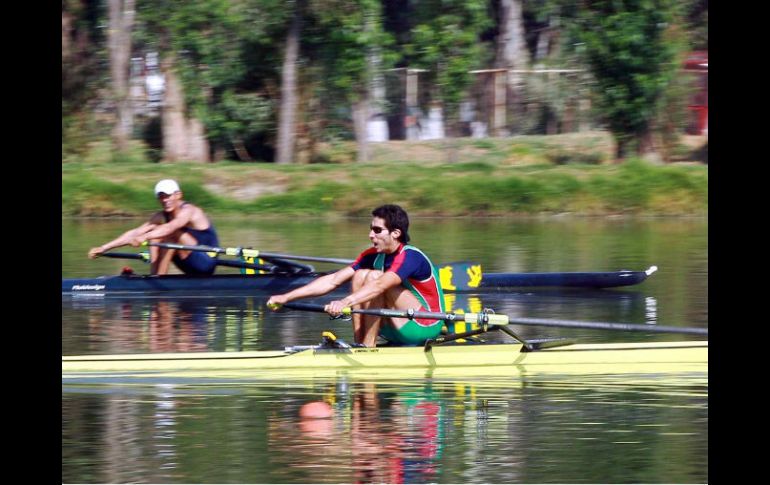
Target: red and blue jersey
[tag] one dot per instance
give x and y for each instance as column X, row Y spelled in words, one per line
column 416, row 271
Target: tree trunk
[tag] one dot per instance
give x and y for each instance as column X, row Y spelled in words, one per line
column 360, row 118
column 288, row 110
column 173, row 121
column 240, row 150
column 621, row 147
column 197, row 144
column 368, row 112
column 121, row 16
column 512, row 51
column 183, row 138
column 66, row 28
column 648, row 148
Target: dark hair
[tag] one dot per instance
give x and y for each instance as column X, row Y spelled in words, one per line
column 395, row 218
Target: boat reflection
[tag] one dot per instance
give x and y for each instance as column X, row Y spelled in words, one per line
column 130, row 323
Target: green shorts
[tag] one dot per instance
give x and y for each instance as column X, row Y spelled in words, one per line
column 412, row 333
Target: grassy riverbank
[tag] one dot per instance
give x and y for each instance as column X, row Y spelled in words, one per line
column 520, row 175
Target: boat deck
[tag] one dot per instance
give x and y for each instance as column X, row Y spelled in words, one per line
column 483, row 359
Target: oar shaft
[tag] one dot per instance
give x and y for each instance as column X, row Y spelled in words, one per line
column 142, row 256
column 633, row 327
column 244, row 265
column 480, row 318
column 304, row 258
column 495, row 319
column 220, row 262
column 186, row 247
column 248, row 253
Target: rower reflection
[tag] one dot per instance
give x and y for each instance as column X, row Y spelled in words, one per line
column 168, row 324
column 381, row 435
column 182, row 328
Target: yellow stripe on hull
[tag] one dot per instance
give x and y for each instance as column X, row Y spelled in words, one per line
column 488, row 359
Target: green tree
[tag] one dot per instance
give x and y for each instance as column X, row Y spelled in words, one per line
column 352, row 52
column 445, row 40
column 697, row 23
column 82, row 74
column 633, row 60
column 205, row 50
column 555, row 101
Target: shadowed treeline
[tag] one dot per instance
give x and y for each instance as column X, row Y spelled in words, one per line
column 279, row 81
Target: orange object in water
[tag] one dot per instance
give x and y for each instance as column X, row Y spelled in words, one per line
column 316, row 410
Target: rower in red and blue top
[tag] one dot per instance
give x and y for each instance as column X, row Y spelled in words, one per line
column 390, row 274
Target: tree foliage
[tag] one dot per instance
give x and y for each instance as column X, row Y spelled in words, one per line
column 81, row 38
column 228, row 54
column 83, row 58
column 213, row 44
column 632, row 61
column 696, row 23
column 445, row 40
column 347, row 32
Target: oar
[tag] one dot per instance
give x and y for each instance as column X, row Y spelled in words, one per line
column 143, row 256
column 276, row 258
column 244, row 265
column 291, row 265
column 248, row 253
column 487, row 318
column 458, row 276
column 219, row 262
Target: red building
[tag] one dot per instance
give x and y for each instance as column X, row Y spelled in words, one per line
column 697, row 62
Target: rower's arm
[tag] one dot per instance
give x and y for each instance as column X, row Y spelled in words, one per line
column 124, row 239
column 372, row 289
column 319, row 286
column 182, row 218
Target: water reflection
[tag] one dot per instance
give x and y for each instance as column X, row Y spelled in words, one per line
column 484, row 431
column 410, row 431
column 119, row 324
column 679, row 247
column 177, row 328
column 166, row 324
column 390, row 437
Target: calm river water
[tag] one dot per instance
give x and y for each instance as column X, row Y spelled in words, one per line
column 429, row 430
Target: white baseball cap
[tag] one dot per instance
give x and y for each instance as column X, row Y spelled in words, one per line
column 166, row 186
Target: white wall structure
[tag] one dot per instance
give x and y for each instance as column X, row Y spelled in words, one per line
column 433, row 124
column 377, row 130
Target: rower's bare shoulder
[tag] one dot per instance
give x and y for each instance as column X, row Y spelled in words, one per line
column 157, row 218
column 196, row 217
column 188, row 211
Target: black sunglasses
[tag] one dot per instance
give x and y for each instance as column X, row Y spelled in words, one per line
column 377, row 229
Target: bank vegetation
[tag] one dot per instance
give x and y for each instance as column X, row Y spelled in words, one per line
column 527, row 175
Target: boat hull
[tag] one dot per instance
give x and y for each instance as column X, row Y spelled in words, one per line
column 279, row 283
column 689, row 357
column 185, row 284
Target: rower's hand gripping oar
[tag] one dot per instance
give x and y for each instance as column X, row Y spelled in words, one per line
column 485, row 321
